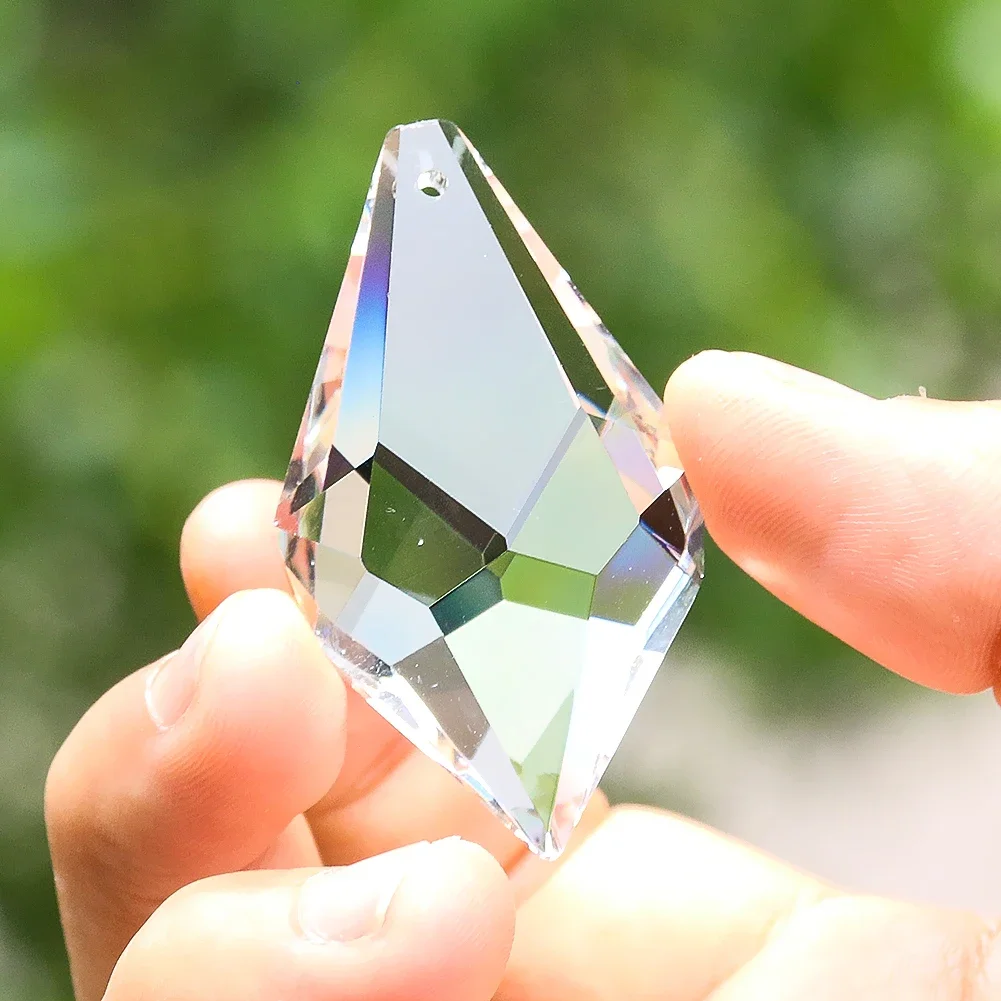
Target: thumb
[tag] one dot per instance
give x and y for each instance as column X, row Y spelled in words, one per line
column 421, row 922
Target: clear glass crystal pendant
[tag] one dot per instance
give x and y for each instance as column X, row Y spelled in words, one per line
column 493, row 540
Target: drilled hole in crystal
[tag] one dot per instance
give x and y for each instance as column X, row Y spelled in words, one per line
column 432, row 183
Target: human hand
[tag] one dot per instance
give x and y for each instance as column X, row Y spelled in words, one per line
column 874, row 518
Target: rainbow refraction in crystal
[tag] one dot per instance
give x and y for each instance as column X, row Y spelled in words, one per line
column 487, row 528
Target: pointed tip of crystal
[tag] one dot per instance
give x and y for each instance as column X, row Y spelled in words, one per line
column 422, row 123
column 546, row 849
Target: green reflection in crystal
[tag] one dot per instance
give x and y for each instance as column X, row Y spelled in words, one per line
column 540, row 771
column 469, row 599
column 512, row 649
column 549, row 586
column 409, row 546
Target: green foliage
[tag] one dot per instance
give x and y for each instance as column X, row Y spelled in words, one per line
column 179, row 184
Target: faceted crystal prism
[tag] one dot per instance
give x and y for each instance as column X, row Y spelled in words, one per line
column 492, row 539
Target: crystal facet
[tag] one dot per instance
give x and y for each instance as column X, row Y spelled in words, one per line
column 490, row 536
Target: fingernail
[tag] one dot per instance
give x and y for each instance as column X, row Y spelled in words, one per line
column 350, row 902
column 171, row 685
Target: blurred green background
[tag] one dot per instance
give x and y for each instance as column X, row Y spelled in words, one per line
column 179, row 182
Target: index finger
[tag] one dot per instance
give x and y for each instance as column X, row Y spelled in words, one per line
column 877, row 519
column 229, row 544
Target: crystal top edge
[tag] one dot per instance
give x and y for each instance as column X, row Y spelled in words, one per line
column 422, row 123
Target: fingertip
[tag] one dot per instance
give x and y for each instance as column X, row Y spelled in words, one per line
column 679, row 416
column 264, row 661
column 460, row 873
column 712, row 371
column 452, row 918
column 689, row 384
column 229, row 544
column 746, row 427
column 719, row 396
column 264, row 626
column 261, row 616
column 694, row 372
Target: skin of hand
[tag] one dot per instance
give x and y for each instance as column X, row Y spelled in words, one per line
column 231, row 824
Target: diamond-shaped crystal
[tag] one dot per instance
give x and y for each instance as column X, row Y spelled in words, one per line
column 492, row 540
